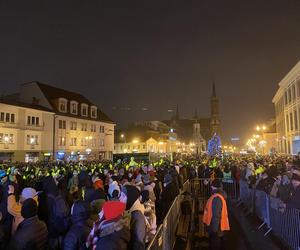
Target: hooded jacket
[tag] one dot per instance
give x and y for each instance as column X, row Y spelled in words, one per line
column 81, row 227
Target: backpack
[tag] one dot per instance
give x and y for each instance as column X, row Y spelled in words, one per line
column 59, row 219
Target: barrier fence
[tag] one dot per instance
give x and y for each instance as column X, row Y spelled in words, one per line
column 284, row 223
column 165, row 236
column 201, row 187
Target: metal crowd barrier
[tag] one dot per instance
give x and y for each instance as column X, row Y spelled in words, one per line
column 284, row 223
column 201, row 187
column 165, row 236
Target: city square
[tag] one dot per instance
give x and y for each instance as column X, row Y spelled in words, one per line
column 149, row 125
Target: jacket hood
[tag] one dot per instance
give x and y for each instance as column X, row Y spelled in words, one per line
column 80, row 211
column 49, row 186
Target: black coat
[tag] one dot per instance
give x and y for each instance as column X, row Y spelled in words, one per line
column 31, row 234
column 77, row 235
column 168, row 196
column 295, row 199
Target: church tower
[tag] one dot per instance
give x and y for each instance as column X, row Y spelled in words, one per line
column 215, row 122
column 197, row 137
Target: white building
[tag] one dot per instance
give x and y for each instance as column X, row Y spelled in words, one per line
column 287, row 109
column 79, row 129
column 25, row 132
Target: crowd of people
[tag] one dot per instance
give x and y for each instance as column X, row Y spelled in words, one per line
column 87, row 205
column 101, row 205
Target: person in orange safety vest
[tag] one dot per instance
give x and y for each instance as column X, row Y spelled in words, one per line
column 215, row 216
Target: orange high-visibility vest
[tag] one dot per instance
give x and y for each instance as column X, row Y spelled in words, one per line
column 208, row 213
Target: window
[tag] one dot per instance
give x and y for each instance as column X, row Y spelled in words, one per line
column 102, row 142
column 294, row 92
column 61, row 141
column 2, row 116
column 128, row 147
column 6, row 138
column 32, row 140
column 94, row 112
column 290, row 95
column 93, row 128
column 74, row 107
column 102, row 129
column 84, row 142
column 73, row 141
column 94, row 142
column 83, row 127
column 62, row 124
column 33, row 120
column 296, row 119
column 291, row 121
column 63, row 105
column 73, row 126
column 144, row 146
column 84, row 109
column 7, row 116
column 285, row 98
column 287, row 123
column 12, row 118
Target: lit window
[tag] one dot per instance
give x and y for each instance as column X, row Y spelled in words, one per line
column 73, row 126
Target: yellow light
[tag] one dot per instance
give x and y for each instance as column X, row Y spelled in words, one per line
column 122, row 135
column 258, row 128
column 90, row 137
column 264, row 127
column 135, row 141
column 160, row 143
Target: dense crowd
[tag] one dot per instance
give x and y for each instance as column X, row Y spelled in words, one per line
column 87, row 205
column 278, row 176
column 100, row 205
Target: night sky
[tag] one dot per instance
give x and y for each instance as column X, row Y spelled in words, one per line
column 137, row 60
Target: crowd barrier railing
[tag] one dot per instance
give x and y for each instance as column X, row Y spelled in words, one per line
column 165, row 236
column 284, row 223
column 201, row 187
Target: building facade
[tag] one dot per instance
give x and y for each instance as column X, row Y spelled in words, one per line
column 79, row 130
column 25, row 132
column 287, row 111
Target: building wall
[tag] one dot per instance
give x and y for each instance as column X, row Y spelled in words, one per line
column 19, row 129
column 93, row 144
column 287, row 109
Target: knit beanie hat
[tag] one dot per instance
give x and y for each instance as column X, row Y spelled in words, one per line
column 98, row 184
column 113, row 209
column 29, row 208
column 132, row 194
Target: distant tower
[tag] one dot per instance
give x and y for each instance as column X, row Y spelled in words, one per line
column 197, row 137
column 215, row 122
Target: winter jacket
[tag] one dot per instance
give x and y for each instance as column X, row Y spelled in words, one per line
column 14, row 208
column 168, row 196
column 81, row 226
column 295, row 199
column 52, row 220
column 114, row 235
column 214, row 226
column 31, row 234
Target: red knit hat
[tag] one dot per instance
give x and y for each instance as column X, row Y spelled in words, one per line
column 113, row 209
column 98, row 184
